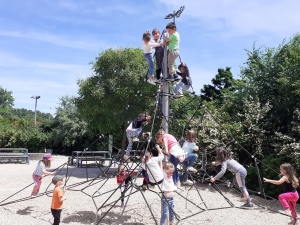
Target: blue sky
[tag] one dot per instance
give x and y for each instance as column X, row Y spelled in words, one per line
column 47, row 45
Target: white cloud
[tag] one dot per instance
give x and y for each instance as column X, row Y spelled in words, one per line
column 84, row 43
column 242, row 18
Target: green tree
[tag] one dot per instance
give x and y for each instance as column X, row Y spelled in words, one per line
column 6, row 98
column 117, row 93
column 222, row 81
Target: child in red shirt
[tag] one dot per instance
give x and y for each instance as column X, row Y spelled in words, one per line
column 123, row 179
column 57, row 199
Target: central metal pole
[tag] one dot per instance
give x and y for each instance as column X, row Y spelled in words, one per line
column 165, row 93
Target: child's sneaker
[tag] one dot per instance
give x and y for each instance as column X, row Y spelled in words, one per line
column 293, row 222
column 285, row 212
column 176, row 77
column 135, row 140
column 179, row 95
column 151, row 186
column 188, row 182
column 248, row 206
column 170, row 78
column 122, row 205
column 126, row 158
column 191, row 169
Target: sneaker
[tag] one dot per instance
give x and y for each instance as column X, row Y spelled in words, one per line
column 126, row 158
column 285, row 212
column 150, row 81
column 179, row 95
column 188, row 182
column 122, row 205
column 191, row 169
column 144, row 187
column 151, row 186
column 135, row 140
column 293, row 222
column 176, row 77
column 170, row 78
column 178, row 184
column 248, row 206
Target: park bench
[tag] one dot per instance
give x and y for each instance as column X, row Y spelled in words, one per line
column 91, row 156
column 14, row 154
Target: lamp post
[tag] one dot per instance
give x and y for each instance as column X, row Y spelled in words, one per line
column 36, row 98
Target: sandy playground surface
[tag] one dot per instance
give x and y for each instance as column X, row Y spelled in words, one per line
column 80, row 206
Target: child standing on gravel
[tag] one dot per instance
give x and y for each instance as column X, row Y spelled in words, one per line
column 224, row 158
column 290, row 196
column 39, row 171
column 58, row 198
column 168, row 188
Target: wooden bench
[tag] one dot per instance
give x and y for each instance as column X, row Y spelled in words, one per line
column 96, row 156
column 8, row 154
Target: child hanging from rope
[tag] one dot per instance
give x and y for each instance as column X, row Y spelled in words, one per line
column 123, row 179
column 171, row 149
column 159, row 53
column 134, row 130
column 289, row 198
column 148, row 45
column 151, row 165
column 224, row 158
column 189, row 146
column 39, row 171
column 173, row 40
column 168, row 188
column 185, row 83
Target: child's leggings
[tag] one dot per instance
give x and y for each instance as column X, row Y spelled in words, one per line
column 37, row 184
column 130, row 135
column 124, row 187
column 288, row 201
column 240, row 180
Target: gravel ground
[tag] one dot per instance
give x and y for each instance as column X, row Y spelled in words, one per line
column 80, row 207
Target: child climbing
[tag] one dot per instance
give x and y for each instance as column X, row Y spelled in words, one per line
column 148, row 45
column 289, row 197
column 173, row 40
column 123, row 179
column 134, row 130
column 159, row 53
column 171, row 149
column 152, row 167
column 189, row 146
column 168, row 188
column 57, row 198
column 185, row 83
column 39, row 171
column 224, row 158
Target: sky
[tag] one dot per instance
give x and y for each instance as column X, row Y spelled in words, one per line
column 47, row 45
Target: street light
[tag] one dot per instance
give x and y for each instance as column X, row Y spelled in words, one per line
column 175, row 14
column 36, row 98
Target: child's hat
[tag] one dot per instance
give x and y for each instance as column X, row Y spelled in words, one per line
column 57, row 178
column 48, row 157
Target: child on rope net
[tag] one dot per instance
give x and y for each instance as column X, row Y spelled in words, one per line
column 159, row 53
column 224, row 158
column 134, row 130
column 173, row 39
column 173, row 150
column 152, row 171
column 148, row 45
column 290, row 196
column 189, row 146
column 57, row 198
column 123, row 179
column 39, row 171
column 185, row 83
column 168, row 188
